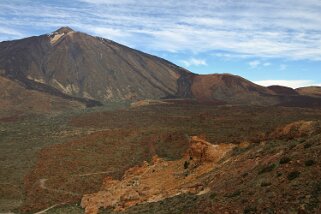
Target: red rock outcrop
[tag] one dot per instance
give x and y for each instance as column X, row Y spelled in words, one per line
column 158, row 180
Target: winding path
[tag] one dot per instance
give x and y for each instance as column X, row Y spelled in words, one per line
column 42, row 184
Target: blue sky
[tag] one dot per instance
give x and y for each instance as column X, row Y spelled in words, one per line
column 266, row 41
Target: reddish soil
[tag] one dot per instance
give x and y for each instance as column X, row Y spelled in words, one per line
column 76, row 168
column 229, row 88
column 65, row 172
column 11, row 119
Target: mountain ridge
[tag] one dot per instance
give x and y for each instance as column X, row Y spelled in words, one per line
column 94, row 70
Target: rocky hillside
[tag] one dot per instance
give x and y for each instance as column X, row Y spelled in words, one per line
column 159, row 180
column 273, row 176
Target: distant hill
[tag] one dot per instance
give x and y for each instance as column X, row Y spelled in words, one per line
column 282, row 90
column 310, row 91
column 231, row 89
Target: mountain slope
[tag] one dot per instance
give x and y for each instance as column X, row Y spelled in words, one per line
column 80, row 65
column 15, row 98
column 92, row 70
column 89, row 67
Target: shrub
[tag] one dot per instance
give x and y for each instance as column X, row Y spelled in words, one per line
column 293, row 175
column 245, row 174
column 234, row 194
column 239, row 150
column 307, row 145
column 265, row 184
column 268, row 168
column 285, row 160
column 213, row 195
column 186, row 164
column 309, row 162
column 250, row 210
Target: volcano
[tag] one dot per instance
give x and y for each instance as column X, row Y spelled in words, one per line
column 93, row 71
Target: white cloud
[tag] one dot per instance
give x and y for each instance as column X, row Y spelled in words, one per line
column 254, row 64
column 288, row 28
column 10, row 31
column 105, row 1
column 194, row 62
column 288, row 83
column 257, row 63
column 230, row 56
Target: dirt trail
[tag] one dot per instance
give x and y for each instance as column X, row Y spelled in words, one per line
column 42, row 184
column 94, row 173
column 47, row 209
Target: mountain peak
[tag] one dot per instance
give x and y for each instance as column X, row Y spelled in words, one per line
column 64, row 29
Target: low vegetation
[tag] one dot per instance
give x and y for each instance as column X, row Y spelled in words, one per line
column 293, row 175
column 74, row 151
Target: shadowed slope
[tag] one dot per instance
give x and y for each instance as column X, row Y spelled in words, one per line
column 16, row 98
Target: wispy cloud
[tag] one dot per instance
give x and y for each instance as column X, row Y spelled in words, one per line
column 254, row 64
column 288, row 29
column 7, row 32
column 257, row 63
column 194, row 62
column 288, row 83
